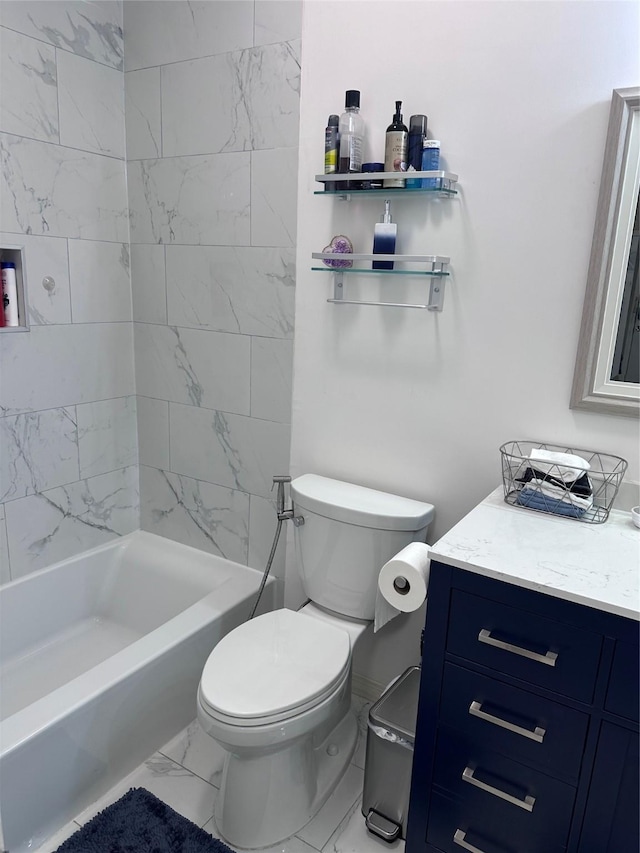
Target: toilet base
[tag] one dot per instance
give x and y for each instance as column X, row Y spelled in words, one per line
column 268, row 798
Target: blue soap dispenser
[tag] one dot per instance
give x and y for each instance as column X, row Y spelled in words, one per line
column 384, row 239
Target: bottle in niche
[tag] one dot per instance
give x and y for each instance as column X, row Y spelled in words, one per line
column 417, row 135
column 395, row 149
column 10, row 294
column 331, row 142
column 351, row 130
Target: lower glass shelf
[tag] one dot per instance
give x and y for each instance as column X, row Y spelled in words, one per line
column 367, row 270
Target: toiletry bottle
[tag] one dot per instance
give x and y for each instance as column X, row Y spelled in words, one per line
column 331, row 138
column 351, row 130
column 417, row 135
column 431, row 163
column 395, row 149
column 10, row 293
column 384, row 239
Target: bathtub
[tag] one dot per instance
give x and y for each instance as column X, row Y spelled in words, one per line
column 101, row 656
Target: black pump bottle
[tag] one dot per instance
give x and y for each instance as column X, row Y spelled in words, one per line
column 395, row 148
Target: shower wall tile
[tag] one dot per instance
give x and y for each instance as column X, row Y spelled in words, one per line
column 91, row 101
column 107, row 436
column 210, row 369
column 61, row 192
column 29, row 91
column 56, row 366
column 39, row 452
column 100, row 281
column 44, row 257
column 148, row 283
column 143, row 114
column 61, row 522
column 274, row 180
column 171, row 31
column 92, row 30
column 153, row 431
column 254, row 102
column 5, row 568
column 199, row 514
column 247, row 290
column 238, row 452
column 203, row 199
column 262, row 529
column 271, row 379
column 277, row 20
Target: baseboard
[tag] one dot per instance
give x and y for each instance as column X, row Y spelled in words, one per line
column 366, row 687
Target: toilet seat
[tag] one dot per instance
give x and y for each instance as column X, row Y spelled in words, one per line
column 274, row 667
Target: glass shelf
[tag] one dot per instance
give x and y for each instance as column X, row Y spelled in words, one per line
column 446, row 187
column 377, row 272
column 437, row 274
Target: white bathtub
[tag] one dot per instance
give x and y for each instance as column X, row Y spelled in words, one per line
column 100, row 661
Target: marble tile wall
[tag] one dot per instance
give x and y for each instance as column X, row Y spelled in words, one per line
column 212, row 99
column 68, row 444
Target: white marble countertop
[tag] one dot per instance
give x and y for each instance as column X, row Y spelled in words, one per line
column 593, row 564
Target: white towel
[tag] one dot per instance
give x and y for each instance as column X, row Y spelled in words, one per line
column 564, row 466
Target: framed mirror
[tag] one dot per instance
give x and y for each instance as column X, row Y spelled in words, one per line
column 606, row 377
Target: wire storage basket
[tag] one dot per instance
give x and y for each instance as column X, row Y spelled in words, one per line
column 551, row 478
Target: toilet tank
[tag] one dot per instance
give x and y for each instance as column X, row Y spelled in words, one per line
column 349, row 533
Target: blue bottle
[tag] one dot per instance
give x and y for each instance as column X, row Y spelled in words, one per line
column 431, row 163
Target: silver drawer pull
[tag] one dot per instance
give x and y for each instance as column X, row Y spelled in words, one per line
column 475, row 709
column 459, row 838
column 527, row 804
column 549, row 658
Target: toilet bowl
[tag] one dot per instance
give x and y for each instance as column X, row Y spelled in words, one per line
column 275, row 692
column 276, row 695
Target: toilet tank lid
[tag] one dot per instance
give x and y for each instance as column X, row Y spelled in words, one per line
column 359, row 505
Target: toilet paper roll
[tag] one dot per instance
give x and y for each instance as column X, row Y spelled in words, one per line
column 402, row 583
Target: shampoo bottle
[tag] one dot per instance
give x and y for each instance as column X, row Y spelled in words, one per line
column 384, row 239
column 395, row 148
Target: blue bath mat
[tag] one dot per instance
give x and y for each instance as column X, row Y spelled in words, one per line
column 141, row 823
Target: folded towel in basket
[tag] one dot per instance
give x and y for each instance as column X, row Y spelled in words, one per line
column 533, row 499
column 558, row 488
column 565, row 466
column 560, row 494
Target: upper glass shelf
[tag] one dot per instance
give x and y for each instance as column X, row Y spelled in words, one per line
column 444, row 184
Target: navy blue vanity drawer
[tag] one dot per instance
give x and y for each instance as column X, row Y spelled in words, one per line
column 525, row 645
column 452, row 828
column 498, row 791
column 521, row 725
column 623, row 694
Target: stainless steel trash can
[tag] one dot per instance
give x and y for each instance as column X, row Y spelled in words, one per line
column 387, row 774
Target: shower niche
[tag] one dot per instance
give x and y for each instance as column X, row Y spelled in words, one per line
column 10, row 254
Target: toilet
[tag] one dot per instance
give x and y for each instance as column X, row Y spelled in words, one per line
column 275, row 692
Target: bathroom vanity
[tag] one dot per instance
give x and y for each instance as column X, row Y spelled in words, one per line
column 527, row 731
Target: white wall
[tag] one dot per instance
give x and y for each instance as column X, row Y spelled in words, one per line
column 417, row 403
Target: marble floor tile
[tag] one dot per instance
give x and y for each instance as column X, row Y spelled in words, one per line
column 185, row 773
column 184, row 792
column 352, row 836
column 289, row 845
column 194, row 749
